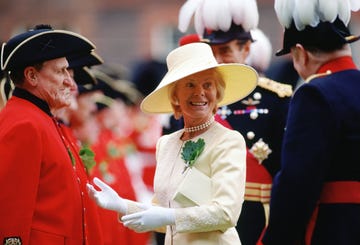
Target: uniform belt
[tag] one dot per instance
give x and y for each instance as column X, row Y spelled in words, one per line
column 341, row 192
column 334, row 192
column 257, row 192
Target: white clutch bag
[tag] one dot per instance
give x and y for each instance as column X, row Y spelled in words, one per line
column 195, row 189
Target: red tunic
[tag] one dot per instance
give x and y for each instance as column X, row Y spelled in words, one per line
column 40, row 197
column 91, row 223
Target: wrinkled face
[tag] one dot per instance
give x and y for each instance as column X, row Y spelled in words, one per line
column 74, row 92
column 235, row 51
column 196, row 96
column 54, row 83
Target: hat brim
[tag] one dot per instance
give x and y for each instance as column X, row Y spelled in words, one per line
column 282, row 51
column 88, row 59
column 236, row 32
column 240, row 80
column 82, row 75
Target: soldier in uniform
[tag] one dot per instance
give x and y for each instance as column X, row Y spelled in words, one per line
column 316, row 194
column 260, row 117
column 42, row 198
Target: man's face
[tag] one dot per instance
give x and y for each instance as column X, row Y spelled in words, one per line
column 235, row 51
column 54, row 83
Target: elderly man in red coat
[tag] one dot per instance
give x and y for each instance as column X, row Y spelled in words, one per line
column 42, row 199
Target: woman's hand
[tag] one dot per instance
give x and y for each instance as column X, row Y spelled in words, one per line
column 107, row 198
column 151, row 218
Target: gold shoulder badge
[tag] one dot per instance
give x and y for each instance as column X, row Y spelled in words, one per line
column 12, row 241
column 281, row 89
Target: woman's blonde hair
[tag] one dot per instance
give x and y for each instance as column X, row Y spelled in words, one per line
column 220, row 88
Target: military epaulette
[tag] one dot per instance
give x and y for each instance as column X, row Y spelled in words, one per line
column 281, row 89
column 328, row 72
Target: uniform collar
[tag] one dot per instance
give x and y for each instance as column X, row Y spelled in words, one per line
column 21, row 93
column 339, row 64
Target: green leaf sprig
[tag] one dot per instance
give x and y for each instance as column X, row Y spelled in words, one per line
column 191, row 151
column 88, row 157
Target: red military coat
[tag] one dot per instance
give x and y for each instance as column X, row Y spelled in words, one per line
column 93, row 230
column 40, row 201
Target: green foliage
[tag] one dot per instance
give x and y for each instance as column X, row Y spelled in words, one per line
column 88, row 157
column 191, row 151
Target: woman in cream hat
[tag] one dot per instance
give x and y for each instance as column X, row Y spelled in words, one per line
column 200, row 176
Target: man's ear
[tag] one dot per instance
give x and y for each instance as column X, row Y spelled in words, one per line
column 246, row 49
column 300, row 54
column 30, row 74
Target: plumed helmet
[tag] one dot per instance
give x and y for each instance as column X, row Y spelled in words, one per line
column 220, row 21
column 320, row 24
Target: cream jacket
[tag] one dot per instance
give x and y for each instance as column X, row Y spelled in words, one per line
column 223, row 160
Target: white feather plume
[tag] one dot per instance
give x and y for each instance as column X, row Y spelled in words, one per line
column 355, row 5
column 328, row 10
column 218, row 14
column 311, row 12
column 186, row 13
column 284, row 11
column 237, row 10
column 210, row 13
column 344, row 11
column 305, row 13
column 260, row 51
column 199, row 21
column 224, row 18
column 251, row 15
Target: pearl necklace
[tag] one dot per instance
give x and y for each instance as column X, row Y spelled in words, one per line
column 200, row 127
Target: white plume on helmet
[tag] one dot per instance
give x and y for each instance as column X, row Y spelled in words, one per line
column 218, row 14
column 311, row 12
column 260, row 51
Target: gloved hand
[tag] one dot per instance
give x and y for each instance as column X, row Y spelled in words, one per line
column 107, row 198
column 151, row 218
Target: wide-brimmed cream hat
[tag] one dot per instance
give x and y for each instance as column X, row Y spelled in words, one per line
column 240, row 80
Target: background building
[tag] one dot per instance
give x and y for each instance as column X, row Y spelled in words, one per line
column 124, row 31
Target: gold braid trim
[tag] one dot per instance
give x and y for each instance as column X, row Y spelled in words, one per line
column 328, row 72
column 281, row 89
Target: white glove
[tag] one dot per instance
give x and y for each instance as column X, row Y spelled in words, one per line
column 151, row 218
column 107, row 198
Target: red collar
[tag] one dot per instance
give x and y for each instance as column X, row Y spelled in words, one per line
column 339, row 64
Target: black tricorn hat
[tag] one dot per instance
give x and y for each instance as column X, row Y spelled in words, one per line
column 87, row 59
column 41, row 44
column 326, row 36
column 116, row 88
column 236, row 32
column 81, row 66
column 83, row 75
